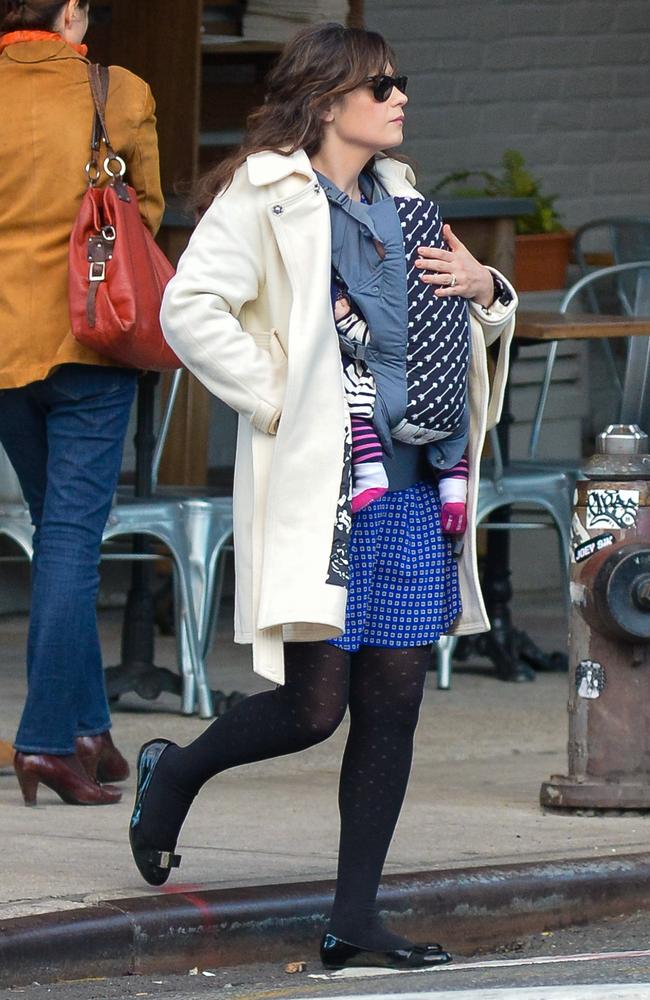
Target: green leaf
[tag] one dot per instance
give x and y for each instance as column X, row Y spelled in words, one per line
column 514, row 181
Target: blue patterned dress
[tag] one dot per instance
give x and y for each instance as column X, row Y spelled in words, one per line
column 403, row 588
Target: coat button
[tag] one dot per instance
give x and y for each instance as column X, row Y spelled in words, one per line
column 278, row 210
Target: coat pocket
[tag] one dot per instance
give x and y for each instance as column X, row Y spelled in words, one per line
column 265, row 419
column 269, row 340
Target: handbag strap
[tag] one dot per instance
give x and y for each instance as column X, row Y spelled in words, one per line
column 99, row 79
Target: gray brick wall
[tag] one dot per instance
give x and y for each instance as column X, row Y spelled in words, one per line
column 567, row 82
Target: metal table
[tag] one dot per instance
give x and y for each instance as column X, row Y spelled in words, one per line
column 538, row 326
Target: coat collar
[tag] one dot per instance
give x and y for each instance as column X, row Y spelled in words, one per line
column 268, row 167
column 392, row 172
column 45, row 51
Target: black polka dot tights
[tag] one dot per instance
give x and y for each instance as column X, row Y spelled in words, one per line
column 383, row 690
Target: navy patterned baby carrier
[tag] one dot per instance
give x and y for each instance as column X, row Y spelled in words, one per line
column 421, row 377
column 437, row 358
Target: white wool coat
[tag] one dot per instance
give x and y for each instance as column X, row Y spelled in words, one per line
column 249, row 313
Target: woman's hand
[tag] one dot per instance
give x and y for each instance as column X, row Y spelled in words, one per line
column 455, row 271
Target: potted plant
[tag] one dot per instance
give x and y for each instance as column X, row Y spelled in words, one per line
column 542, row 245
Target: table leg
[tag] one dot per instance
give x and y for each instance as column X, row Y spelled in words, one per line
column 513, row 653
column 501, row 642
column 637, row 377
column 137, row 671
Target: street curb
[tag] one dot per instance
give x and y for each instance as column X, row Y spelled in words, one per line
column 468, row 909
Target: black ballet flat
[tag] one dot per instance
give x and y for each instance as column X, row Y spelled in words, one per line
column 337, row 954
column 153, row 865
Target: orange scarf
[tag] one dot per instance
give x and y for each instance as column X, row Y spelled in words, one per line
column 11, row 37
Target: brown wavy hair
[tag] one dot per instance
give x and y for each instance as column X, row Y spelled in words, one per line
column 317, row 66
column 32, row 15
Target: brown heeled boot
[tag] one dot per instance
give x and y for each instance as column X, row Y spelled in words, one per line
column 65, row 775
column 101, row 758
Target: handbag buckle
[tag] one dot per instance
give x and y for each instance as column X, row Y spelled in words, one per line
column 109, row 234
column 94, row 172
column 97, row 270
column 114, row 160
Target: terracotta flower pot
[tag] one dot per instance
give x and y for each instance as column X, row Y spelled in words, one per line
column 541, row 261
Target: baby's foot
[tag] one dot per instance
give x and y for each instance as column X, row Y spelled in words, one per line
column 369, row 479
column 453, row 518
column 361, row 500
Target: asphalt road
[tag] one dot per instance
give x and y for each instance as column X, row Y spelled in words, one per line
column 605, row 961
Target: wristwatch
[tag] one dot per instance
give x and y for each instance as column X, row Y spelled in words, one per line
column 501, row 293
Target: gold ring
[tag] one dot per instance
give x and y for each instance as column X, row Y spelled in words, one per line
column 453, row 281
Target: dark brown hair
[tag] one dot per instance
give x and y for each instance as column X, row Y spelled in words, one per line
column 32, row 15
column 317, row 66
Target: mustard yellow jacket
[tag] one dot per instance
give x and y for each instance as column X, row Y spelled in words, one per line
column 46, row 115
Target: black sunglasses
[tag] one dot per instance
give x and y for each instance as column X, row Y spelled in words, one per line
column 382, row 86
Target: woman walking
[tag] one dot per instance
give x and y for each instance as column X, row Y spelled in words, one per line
column 341, row 611
column 63, row 409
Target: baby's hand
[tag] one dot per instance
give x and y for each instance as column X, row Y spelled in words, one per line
column 453, row 518
column 341, row 308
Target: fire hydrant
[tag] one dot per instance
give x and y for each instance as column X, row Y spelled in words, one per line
column 609, row 631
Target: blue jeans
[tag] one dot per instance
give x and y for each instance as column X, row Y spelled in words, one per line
column 64, row 436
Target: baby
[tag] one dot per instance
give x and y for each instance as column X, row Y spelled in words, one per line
column 369, row 479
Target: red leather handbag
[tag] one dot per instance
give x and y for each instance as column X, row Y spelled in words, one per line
column 117, row 273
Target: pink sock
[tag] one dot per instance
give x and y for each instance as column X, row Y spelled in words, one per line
column 361, row 500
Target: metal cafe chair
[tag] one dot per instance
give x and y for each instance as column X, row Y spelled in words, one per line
column 208, row 526
column 620, row 239
column 14, row 515
column 550, row 485
column 632, row 282
column 162, row 518
column 164, row 521
column 501, row 485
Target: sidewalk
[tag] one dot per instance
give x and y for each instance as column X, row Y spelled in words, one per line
column 482, row 750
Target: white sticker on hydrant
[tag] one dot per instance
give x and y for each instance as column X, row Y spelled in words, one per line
column 590, row 679
column 612, row 508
